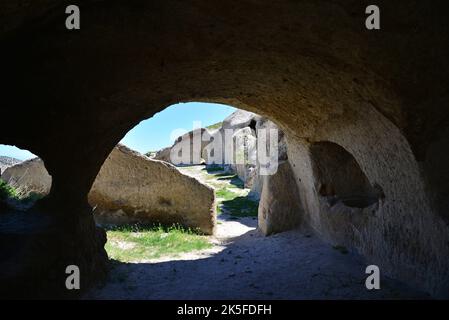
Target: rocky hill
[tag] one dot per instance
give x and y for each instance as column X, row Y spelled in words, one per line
column 6, row 162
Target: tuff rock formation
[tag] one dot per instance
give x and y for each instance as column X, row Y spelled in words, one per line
column 163, row 155
column 28, row 177
column 130, row 188
column 311, row 67
column 279, row 209
column 244, row 127
column 186, row 142
column 6, row 162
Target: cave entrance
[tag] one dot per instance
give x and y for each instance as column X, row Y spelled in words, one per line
column 183, row 212
column 170, row 189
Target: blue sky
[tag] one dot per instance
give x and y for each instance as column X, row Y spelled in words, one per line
column 155, row 133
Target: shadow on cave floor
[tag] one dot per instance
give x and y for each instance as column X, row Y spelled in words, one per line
column 246, row 265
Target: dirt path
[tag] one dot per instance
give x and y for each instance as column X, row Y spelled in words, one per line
column 243, row 264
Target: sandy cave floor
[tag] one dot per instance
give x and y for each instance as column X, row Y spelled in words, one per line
column 244, row 264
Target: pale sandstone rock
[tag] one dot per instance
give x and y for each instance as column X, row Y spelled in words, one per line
column 6, row 162
column 163, row 154
column 131, row 188
column 185, row 142
column 245, row 154
column 279, row 208
column 28, row 176
column 384, row 99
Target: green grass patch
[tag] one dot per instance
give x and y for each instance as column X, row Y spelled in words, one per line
column 226, row 194
column 135, row 243
column 232, row 179
column 13, row 198
column 241, row 207
column 215, row 126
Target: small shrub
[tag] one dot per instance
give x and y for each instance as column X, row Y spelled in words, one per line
column 6, row 191
column 226, row 194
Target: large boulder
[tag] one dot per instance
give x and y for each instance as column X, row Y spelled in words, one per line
column 244, row 144
column 246, row 127
column 174, row 154
column 245, row 153
column 131, row 188
column 240, row 119
column 279, row 208
column 28, row 177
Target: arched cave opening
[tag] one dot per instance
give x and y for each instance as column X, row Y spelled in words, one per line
column 150, row 205
column 170, row 186
column 340, row 178
column 320, row 79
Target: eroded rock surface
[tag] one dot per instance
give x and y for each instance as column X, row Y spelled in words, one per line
column 28, row 177
column 241, row 156
column 279, row 208
column 6, row 162
column 131, row 188
column 382, row 96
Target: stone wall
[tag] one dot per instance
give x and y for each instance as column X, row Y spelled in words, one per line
column 185, row 143
column 396, row 231
column 28, row 177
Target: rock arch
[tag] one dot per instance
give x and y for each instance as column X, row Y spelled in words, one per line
column 311, row 67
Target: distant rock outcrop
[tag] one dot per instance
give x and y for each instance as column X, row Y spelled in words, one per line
column 186, row 143
column 163, row 154
column 241, row 119
column 246, row 128
column 28, row 177
column 6, row 162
